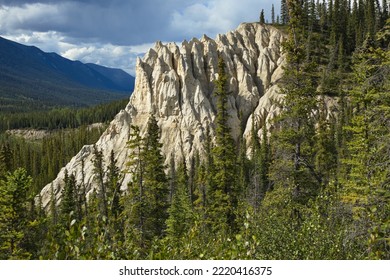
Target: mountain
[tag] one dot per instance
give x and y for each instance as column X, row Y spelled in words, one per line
column 176, row 84
column 29, row 76
column 120, row 78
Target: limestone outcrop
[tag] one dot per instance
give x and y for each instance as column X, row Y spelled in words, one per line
column 176, row 84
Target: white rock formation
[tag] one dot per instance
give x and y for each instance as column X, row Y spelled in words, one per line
column 176, row 84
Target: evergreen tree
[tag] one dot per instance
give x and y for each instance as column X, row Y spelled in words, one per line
column 293, row 165
column 14, row 214
column 68, row 201
column 262, row 19
column 53, row 207
column 135, row 201
column 180, row 212
column 284, row 16
column 146, row 205
column 371, row 18
column 114, row 186
column 273, row 14
column 155, row 179
column 264, row 162
column 325, row 146
column 225, row 191
column 365, row 183
column 385, row 12
column 98, row 164
column 5, row 159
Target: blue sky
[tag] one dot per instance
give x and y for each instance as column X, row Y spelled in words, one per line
column 114, row 32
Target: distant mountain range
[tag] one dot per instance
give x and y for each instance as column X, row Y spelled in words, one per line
column 31, row 79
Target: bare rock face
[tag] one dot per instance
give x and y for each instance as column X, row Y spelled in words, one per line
column 176, row 84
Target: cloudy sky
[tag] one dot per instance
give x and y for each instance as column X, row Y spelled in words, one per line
column 114, row 32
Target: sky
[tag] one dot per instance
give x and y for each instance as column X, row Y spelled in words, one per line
column 114, row 33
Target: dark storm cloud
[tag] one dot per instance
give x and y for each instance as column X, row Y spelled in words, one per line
column 118, row 22
column 112, row 32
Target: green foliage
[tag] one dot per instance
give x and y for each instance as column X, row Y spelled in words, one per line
column 44, row 158
column 68, row 202
column 366, row 182
column 146, row 204
column 293, row 142
column 61, row 118
column 262, row 19
column 224, row 190
column 14, row 222
column 180, row 211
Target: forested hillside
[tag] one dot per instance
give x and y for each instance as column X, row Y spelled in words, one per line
column 65, row 131
column 31, row 80
column 315, row 186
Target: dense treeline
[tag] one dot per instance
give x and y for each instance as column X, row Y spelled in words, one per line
column 43, row 159
column 316, row 185
column 67, row 130
column 62, row 117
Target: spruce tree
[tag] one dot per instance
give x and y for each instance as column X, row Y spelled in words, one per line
column 146, row 204
column 14, row 214
column 284, row 16
column 155, row 179
column 365, row 181
column 98, row 170
column 262, row 19
column 5, row 159
column 68, row 200
column 293, row 165
column 224, row 192
column 134, row 203
column 180, row 211
column 114, row 185
column 273, row 14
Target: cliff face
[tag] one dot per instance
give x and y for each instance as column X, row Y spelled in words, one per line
column 176, row 84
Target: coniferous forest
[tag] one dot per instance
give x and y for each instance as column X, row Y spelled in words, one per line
column 315, row 186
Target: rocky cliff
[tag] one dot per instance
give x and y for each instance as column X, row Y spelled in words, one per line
column 176, row 84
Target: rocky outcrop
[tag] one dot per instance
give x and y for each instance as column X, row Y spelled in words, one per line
column 176, row 84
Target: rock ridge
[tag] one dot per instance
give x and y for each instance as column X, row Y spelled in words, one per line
column 176, row 84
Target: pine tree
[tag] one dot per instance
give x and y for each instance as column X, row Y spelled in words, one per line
column 146, row 203
column 53, row 207
column 264, row 162
column 98, row 170
column 284, row 16
column 262, row 19
column 294, row 152
column 135, row 201
column 224, row 191
column 114, row 186
column 155, row 179
column 5, row 159
column 325, row 146
column 254, row 194
column 273, row 14
column 14, row 214
column 385, row 12
column 371, row 19
column 180, row 211
column 260, row 167
column 68, row 201
column 365, row 183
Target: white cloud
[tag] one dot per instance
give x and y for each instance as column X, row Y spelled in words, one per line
column 217, row 16
column 37, row 16
column 123, row 57
column 114, row 32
